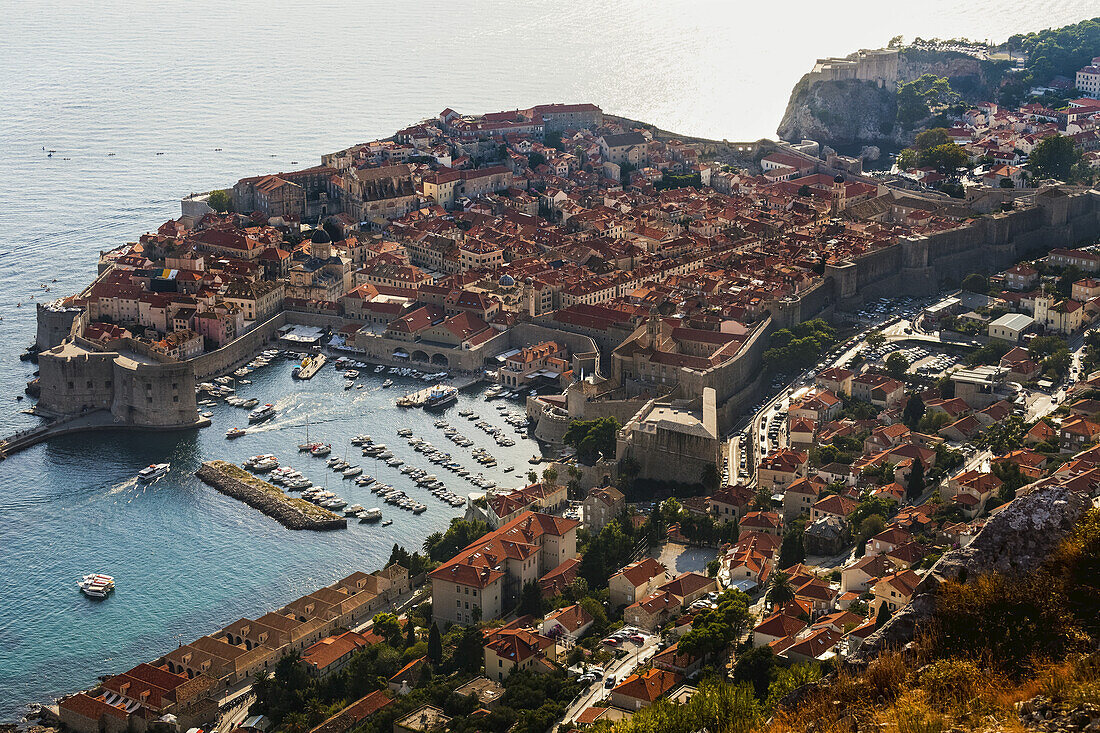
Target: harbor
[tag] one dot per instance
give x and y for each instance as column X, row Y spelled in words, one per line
column 291, row 512
column 143, row 533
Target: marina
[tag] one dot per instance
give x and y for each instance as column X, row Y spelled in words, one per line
column 144, row 532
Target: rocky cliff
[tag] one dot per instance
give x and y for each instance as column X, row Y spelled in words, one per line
column 840, row 113
column 845, row 113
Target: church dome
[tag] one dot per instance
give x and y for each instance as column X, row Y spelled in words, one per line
column 507, row 281
column 320, row 236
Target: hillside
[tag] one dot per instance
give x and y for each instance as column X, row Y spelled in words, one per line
column 1002, row 636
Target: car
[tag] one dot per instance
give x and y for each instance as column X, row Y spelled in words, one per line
column 586, row 679
column 609, row 683
column 637, row 638
column 611, row 641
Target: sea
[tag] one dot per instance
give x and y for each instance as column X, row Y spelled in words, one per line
column 145, row 102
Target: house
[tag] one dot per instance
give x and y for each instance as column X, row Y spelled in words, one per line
column 1022, row 277
column 887, row 541
column 601, row 506
column 679, row 662
column 878, row 389
column 355, row 715
column 572, row 621
column 818, row 645
column 781, row 468
column 487, row 692
column 800, row 496
column 730, row 503
column 653, row 610
column 836, row 380
column 640, row 690
column 636, row 581
column 819, row 408
column 861, row 575
column 331, row 654
column 405, row 679
column 775, row 627
column 1040, row 432
column 833, row 505
column 484, row 579
column 828, row 535
column 801, row 433
column 894, row 590
column 763, row 523
column 1076, row 433
column 509, row 649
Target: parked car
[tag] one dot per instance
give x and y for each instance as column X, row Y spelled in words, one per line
column 611, row 641
column 609, row 682
column 637, row 638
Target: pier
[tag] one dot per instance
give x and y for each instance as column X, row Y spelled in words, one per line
column 417, row 399
column 89, row 421
column 289, row 511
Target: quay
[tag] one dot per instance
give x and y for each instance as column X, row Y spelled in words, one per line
column 289, row 511
column 86, row 422
column 310, row 366
column 417, row 399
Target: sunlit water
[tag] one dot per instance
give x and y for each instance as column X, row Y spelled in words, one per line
column 274, row 86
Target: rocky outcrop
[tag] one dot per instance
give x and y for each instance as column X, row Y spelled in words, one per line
column 1014, row 541
column 849, row 113
column 845, row 112
column 1043, row 713
column 291, row 512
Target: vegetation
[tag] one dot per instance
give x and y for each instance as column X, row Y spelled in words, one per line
column 1051, row 52
column 593, row 438
column 461, row 533
column 919, row 98
column 799, row 346
column 1054, row 157
column 714, row 629
column 716, row 706
column 220, row 201
column 897, row 365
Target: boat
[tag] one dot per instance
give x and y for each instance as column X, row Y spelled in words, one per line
column 353, row 510
column 261, row 413
column 387, row 383
column 440, row 395
column 352, row 471
column 379, row 369
column 387, row 522
column 235, row 433
column 320, row 449
column 153, row 471
column 370, row 515
column 96, row 586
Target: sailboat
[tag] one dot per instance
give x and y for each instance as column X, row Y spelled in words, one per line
column 303, row 447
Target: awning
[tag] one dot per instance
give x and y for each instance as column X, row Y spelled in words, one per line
column 401, row 354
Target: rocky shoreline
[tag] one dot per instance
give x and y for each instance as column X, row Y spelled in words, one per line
column 291, row 512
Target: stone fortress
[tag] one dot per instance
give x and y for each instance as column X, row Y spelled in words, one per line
column 877, row 65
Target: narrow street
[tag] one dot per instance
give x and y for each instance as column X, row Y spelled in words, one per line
column 619, row 669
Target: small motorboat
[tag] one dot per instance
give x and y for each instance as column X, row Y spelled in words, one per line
column 234, row 433
column 153, row 471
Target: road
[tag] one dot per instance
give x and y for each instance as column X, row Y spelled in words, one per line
column 620, row 669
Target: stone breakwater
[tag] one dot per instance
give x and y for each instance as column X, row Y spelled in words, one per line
column 291, row 512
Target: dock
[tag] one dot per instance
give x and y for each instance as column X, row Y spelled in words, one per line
column 417, row 399
column 289, row 511
column 316, row 361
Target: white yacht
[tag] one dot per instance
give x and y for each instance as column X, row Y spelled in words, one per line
column 96, row 586
column 262, row 413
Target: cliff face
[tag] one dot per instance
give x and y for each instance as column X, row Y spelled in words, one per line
column 849, row 112
column 842, row 112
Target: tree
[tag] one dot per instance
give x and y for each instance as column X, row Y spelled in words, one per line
column 435, row 645
column 410, row 633
column 757, row 666
column 1006, row 183
column 388, row 627
column 593, row 438
column 930, row 138
column 1053, row 157
column 916, row 483
column 220, row 201
column 946, row 157
column 468, row 651
column 793, row 549
column 530, row 600
column 596, row 610
column 975, row 283
column 550, row 475
column 535, row 159
column 907, row 159
column 875, row 339
column 883, row 616
column 532, row 477
column 897, row 365
column 714, row 629
column 710, row 478
column 780, row 591
column 914, row 410
column 628, row 471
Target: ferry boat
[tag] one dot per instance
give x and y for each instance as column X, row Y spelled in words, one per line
column 235, row 433
column 262, row 413
column 440, row 396
column 96, row 586
column 153, row 471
